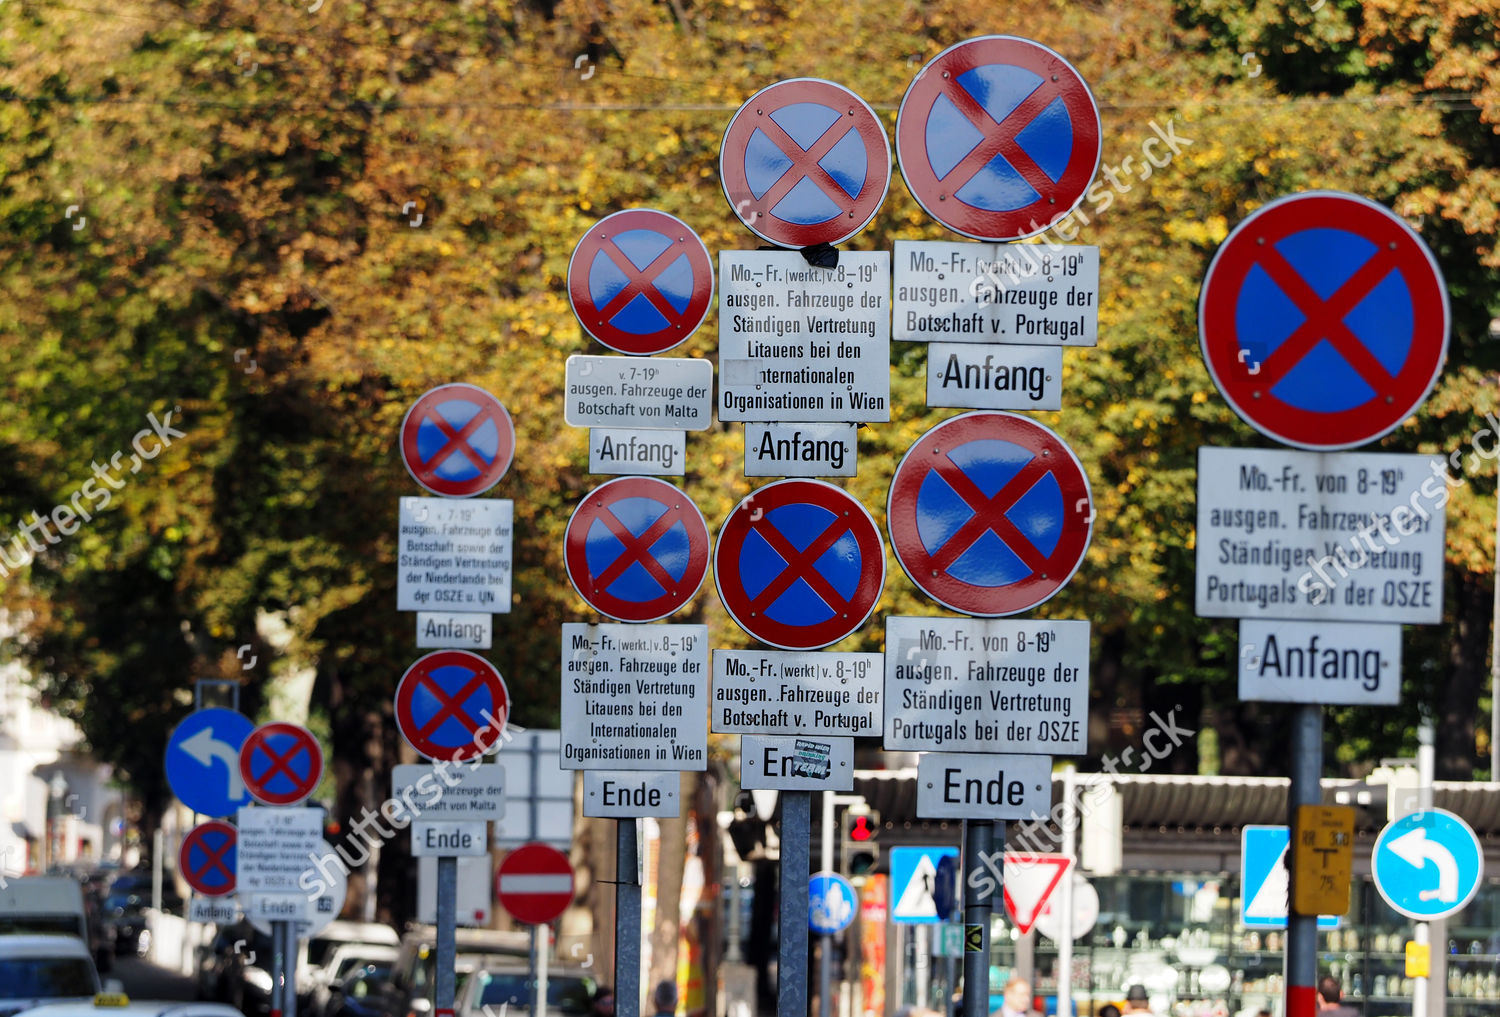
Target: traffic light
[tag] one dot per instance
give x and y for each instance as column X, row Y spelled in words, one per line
column 859, row 851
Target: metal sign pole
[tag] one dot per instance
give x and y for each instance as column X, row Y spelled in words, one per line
column 289, row 942
column 825, row 943
column 979, row 852
column 446, row 978
column 627, row 920
column 544, row 951
column 278, row 966
column 796, row 858
column 1302, row 930
column 537, row 988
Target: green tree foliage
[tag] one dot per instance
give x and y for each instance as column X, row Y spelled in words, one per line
column 300, row 216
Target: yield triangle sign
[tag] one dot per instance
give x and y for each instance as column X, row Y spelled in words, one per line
column 1029, row 882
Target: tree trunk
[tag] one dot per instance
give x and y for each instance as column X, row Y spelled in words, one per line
column 1458, row 706
column 670, row 857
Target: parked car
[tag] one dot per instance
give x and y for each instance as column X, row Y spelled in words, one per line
column 413, row 984
column 372, row 992
column 38, row 969
column 237, row 969
column 125, row 915
column 345, row 960
column 119, row 1005
column 510, row 988
column 316, row 953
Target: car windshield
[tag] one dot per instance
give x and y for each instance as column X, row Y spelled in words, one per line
column 46, row 977
column 570, row 995
column 66, row 925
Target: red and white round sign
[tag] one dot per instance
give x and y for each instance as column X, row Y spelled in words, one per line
column 535, row 883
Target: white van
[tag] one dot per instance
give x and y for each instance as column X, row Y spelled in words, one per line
column 49, row 905
column 44, row 969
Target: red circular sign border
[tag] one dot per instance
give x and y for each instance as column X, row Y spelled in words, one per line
column 309, row 744
column 406, row 689
column 576, row 562
column 931, row 194
column 1217, row 337
column 736, row 527
column 523, row 854
column 578, row 284
column 971, row 427
column 491, row 476
column 792, row 235
column 191, row 838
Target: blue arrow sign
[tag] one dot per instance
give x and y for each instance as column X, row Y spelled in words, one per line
column 914, row 874
column 1427, row 865
column 203, row 761
column 831, row 903
column 1265, row 879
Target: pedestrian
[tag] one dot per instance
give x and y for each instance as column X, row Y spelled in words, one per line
column 1136, row 1000
column 664, row 998
column 603, row 1004
column 1016, row 999
column 1109, row 1010
column 1331, row 999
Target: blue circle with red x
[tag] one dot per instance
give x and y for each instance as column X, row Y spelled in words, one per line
column 452, row 705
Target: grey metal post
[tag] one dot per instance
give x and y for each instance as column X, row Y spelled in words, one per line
column 825, row 943
column 445, row 978
column 627, row 921
column 289, row 970
column 825, row 973
column 796, row 866
column 1302, row 930
column 278, row 967
column 979, row 860
column 538, row 987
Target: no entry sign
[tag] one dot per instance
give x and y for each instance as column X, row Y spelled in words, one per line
column 805, row 162
column 636, row 549
column 990, row 513
column 1324, row 320
column 281, row 763
column 452, row 705
column 640, row 281
column 535, row 883
column 206, row 860
column 457, row 440
column 799, row 564
column 997, row 137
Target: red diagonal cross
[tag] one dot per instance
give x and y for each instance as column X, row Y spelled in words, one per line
column 989, row 514
column 637, row 549
column 458, row 441
column 1325, row 319
column 452, row 706
column 999, row 138
column 640, row 281
column 805, row 162
column 799, row 565
column 215, row 859
column 280, row 763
